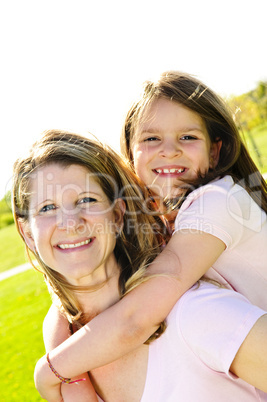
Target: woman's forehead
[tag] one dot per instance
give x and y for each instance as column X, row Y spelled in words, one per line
column 55, row 177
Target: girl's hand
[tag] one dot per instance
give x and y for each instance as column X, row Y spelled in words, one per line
column 46, row 383
column 51, row 389
column 81, row 392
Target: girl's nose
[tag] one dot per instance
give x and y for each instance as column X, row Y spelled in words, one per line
column 170, row 148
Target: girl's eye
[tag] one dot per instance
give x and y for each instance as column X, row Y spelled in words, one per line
column 148, row 139
column 87, row 200
column 188, row 138
column 47, row 208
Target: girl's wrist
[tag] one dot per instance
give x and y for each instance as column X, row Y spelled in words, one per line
column 62, row 379
column 43, row 376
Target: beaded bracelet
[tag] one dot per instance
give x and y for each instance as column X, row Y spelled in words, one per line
column 62, row 379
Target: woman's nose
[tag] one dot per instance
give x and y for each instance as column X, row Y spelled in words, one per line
column 69, row 220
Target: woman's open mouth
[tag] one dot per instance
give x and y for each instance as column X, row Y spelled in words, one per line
column 67, row 246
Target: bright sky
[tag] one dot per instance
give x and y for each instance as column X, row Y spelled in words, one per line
column 77, row 64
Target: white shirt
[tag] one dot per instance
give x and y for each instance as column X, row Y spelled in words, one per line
column 227, row 211
column 190, row 361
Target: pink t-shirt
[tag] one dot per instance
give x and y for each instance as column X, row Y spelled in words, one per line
column 226, row 210
column 190, row 362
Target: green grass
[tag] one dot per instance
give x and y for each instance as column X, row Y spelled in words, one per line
column 24, row 301
column 12, row 249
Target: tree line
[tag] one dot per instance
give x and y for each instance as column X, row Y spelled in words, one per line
column 250, row 111
column 250, row 108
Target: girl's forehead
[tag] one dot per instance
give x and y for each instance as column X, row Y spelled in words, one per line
column 163, row 113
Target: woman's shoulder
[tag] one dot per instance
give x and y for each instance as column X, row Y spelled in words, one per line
column 210, row 302
column 211, row 321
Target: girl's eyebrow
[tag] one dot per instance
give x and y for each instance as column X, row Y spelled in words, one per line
column 192, row 128
column 155, row 130
column 150, row 130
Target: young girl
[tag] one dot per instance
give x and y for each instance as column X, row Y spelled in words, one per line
column 179, row 135
column 221, row 224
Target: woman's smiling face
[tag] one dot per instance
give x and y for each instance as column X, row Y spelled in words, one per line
column 171, row 143
column 72, row 223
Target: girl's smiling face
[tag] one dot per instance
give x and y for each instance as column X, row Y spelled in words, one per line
column 172, row 143
column 72, row 224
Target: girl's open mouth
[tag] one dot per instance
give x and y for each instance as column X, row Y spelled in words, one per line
column 169, row 171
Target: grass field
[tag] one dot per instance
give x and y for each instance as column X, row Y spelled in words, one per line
column 24, row 301
column 12, row 250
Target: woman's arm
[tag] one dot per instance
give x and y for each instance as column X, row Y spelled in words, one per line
column 184, row 260
column 55, row 331
column 250, row 362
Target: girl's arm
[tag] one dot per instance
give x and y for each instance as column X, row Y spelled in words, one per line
column 55, row 331
column 130, row 322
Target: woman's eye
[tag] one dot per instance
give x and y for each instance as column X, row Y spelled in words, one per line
column 87, row 200
column 47, row 208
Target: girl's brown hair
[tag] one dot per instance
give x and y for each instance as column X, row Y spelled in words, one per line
column 186, row 90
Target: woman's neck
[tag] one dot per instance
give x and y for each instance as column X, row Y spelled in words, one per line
column 102, row 296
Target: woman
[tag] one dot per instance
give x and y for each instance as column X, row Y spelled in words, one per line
column 71, row 199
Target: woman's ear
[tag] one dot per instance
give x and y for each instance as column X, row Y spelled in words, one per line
column 25, row 232
column 119, row 211
column 215, row 149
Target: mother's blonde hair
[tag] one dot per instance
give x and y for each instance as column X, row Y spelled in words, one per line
column 140, row 239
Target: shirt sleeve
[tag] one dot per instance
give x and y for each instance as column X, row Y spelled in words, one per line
column 222, row 208
column 214, row 322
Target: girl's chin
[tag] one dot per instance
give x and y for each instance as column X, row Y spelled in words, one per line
column 169, row 195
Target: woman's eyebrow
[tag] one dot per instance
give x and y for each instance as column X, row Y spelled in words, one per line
column 44, row 201
column 38, row 204
column 88, row 193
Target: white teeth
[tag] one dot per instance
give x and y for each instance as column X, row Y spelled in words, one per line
column 82, row 243
column 166, row 171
